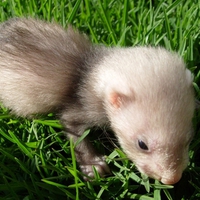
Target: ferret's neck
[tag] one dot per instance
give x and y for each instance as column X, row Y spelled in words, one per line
column 89, row 87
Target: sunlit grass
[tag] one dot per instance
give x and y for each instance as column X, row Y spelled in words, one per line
column 38, row 162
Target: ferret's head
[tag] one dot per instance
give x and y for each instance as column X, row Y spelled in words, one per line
column 150, row 102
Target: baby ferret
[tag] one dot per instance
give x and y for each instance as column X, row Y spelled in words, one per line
column 144, row 94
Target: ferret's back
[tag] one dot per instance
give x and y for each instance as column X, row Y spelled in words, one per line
column 39, row 64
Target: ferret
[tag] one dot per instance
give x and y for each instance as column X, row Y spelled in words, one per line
column 144, row 94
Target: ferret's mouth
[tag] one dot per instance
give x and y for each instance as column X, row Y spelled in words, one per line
column 163, row 176
column 172, row 180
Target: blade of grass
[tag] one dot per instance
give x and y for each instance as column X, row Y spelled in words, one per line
column 72, row 146
column 74, row 11
column 21, row 145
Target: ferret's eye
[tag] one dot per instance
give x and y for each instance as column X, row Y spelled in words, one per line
column 142, row 145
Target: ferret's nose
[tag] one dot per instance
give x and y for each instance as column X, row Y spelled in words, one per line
column 171, row 181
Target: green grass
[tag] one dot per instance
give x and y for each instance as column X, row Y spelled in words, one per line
column 38, row 162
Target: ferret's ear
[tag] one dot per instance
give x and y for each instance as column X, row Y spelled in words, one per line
column 115, row 99
column 118, row 100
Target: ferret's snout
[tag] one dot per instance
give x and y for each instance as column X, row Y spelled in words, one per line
column 166, row 176
column 171, row 180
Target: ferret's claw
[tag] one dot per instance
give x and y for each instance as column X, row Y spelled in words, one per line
column 100, row 166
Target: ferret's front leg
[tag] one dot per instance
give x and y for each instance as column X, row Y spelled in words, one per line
column 88, row 157
column 86, row 154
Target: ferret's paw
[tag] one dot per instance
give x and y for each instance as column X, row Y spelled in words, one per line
column 99, row 164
